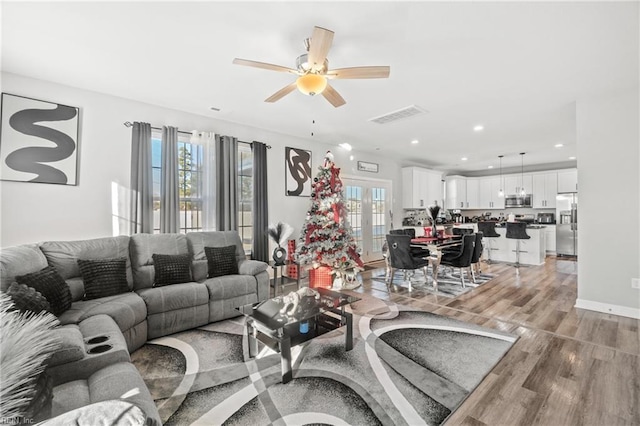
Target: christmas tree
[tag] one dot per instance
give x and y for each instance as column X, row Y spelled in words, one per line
column 326, row 237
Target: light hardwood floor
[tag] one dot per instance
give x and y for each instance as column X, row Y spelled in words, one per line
column 569, row 366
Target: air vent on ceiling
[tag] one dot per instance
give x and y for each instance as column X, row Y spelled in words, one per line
column 400, row 114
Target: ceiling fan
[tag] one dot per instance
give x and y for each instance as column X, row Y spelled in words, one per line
column 312, row 69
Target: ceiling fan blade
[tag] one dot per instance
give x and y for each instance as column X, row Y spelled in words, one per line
column 359, row 72
column 263, row 65
column 333, row 96
column 281, row 93
column 319, row 46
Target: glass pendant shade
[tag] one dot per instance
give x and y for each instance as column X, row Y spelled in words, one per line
column 311, row 84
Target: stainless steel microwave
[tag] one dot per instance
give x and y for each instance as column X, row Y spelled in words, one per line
column 511, row 201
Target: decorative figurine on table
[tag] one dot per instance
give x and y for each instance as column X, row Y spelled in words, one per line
column 279, row 233
column 292, row 300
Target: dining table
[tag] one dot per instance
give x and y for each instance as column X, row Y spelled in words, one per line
column 435, row 245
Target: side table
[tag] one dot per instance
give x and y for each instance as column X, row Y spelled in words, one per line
column 284, row 279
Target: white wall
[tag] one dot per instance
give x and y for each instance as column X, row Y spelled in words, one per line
column 609, row 204
column 33, row 212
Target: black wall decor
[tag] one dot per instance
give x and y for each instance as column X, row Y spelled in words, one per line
column 38, row 141
column 298, row 172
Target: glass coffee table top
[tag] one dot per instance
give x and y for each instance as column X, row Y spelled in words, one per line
column 268, row 312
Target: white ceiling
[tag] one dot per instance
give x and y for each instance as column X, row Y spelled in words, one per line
column 516, row 68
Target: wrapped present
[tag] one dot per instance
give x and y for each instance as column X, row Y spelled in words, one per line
column 320, row 277
column 292, row 271
column 291, row 249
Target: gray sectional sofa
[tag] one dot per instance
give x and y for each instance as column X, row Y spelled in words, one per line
column 98, row 335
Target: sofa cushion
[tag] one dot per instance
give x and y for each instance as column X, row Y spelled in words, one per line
column 103, row 277
column 19, row 260
column 171, row 269
column 127, row 310
column 117, row 381
column 144, row 246
column 27, row 298
column 251, row 267
column 169, row 298
column 64, row 255
column 199, row 240
column 221, row 261
column 71, row 346
column 51, row 285
column 108, row 412
column 229, row 286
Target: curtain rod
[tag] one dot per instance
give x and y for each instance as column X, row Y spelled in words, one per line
column 130, row 124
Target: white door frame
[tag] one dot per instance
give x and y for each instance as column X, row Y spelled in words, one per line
column 367, row 184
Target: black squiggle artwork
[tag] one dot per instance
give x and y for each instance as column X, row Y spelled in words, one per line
column 30, row 159
column 298, row 169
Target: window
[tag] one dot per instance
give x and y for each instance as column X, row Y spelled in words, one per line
column 245, row 195
column 190, row 157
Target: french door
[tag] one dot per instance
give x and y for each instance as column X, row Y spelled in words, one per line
column 369, row 203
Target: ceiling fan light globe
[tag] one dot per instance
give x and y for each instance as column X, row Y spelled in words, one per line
column 311, row 84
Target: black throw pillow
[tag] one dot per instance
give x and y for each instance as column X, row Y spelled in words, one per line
column 171, row 269
column 221, row 261
column 51, row 285
column 103, row 277
column 28, row 298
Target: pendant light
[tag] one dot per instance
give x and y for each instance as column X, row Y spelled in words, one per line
column 522, row 190
column 501, row 192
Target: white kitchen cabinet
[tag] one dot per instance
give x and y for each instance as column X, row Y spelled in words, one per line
column 420, row 188
column 545, row 189
column 488, row 194
column 456, row 192
column 514, row 183
column 473, row 194
column 568, row 181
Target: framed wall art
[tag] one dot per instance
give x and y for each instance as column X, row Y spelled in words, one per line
column 368, row 167
column 298, row 172
column 38, row 141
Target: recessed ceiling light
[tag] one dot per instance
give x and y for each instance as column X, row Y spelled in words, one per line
column 464, row 158
column 345, row 146
column 558, row 145
column 415, row 141
column 351, row 157
column 478, row 128
column 572, row 158
column 490, row 167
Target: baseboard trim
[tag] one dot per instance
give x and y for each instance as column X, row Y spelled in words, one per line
column 623, row 311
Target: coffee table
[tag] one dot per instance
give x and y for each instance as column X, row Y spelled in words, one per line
column 281, row 332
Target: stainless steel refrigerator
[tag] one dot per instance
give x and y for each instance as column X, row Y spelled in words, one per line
column 567, row 224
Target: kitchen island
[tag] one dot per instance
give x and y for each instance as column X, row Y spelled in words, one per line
column 532, row 251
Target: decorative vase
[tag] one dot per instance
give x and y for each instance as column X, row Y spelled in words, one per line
column 434, row 230
column 279, row 255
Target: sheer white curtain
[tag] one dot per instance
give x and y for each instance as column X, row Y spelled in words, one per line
column 208, row 181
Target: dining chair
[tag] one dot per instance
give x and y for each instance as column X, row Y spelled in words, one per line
column 415, row 251
column 477, row 254
column 400, row 257
column 460, row 256
column 488, row 229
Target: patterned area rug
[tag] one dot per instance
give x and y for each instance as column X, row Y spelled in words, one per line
column 406, row 367
column 449, row 284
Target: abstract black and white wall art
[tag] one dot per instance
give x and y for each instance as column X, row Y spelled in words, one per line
column 38, row 141
column 298, row 172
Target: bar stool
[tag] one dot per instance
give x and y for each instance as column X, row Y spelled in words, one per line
column 517, row 231
column 488, row 230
